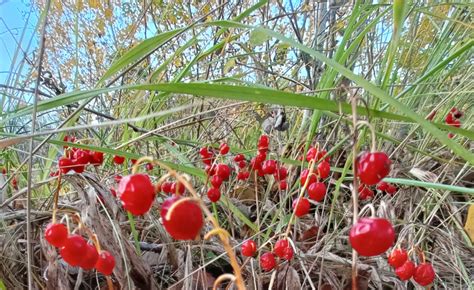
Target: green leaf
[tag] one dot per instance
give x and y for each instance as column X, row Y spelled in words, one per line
column 258, row 37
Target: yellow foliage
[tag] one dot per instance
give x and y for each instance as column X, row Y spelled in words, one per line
column 469, row 227
column 108, row 13
column 79, row 5
column 95, row 4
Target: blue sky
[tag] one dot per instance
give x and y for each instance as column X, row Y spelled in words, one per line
column 14, row 17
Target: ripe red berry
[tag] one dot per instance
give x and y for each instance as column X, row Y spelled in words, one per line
column 373, row 167
column 405, row 271
column 166, row 187
column 56, row 234
column 117, row 178
column 372, row 236
column 269, row 167
column 311, row 154
column 185, row 221
column 281, row 173
column 243, row 175
column 81, row 158
column 149, row 167
column 458, row 114
column 119, row 159
column 177, row 188
column 213, row 194
column 204, row 152
column 223, row 171
column 242, row 164
column 73, row 250
column 15, row 183
column 283, row 249
column 90, row 258
column 239, row 157
column 65, row 164
column 283, row 185
column 96, row 158
column 105, row 263
column 397, row 257
column 317, row 191
column 263, row 142
column 324, row 169
column 424, row 274
column 216, row 181
column 301, row 206
column 451, row 135
column 136, row 193
column 133, row 161
column 365, row 193
column 249, row 248
column 260, row 157
column 255, row 164
column 392, row 189
column 4, row 171
column 267, row 262
column 382, row 186
column 224, row 149
column 304, row 175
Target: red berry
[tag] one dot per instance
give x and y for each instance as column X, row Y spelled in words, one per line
column 263, row 142
column 382, row 186
column 365, row 193
column 185, row 221
column 373, row 167
column 56, row 234
column 243, row 175
column 136, row 193
column 311, row 154
column 214, row 194
column 304, row 175
column 149, row 167
column 255, row 164
column 431, row 115
column 117, row 178
column 283, row 249
column 223, row 171
column 397, row 258
column 324, row 169
column 210, row 170
column 97, row 158
column 301, row 206
column 405, row 271
column 4, row 171
column 372, row 236
column 224, row 149
column 204, row 152
column 392, row 189
column 458, row 114
column 216, row 181
column 424, row 274
column 166, row 187
column 81, row 158
column 260, row 157
column 267, row 262
column 317, row 191
column 269, row 167
column 281, row 173
column 119, row 159
column 105, row 263
column 283, row 185
column 133, row 161
column 90, row 258
column 242, row 164
column 451, row 135
column 249, row 248
column 73, row 250
column 177, row 188
column 65, row 164
column 239, row 157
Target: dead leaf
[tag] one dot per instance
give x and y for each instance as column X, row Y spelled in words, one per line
column 288, row 278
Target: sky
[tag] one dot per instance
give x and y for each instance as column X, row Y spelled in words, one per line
column 15, row 15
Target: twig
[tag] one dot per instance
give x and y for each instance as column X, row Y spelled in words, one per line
column 30, row 163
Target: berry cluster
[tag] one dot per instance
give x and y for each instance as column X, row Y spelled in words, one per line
column 77, row 159
column 366, row 193
column 76, row 251
column 452, row 119
column 423, row 274
column 282, row 250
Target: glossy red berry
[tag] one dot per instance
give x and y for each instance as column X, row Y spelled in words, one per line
column 223, row 171
column 372, row 236
column 382, row 186
column 451, row 135
column 73, row 250
column 249, row 248
column 311, row 154
column 90, row 258
column 81, row 158
column 263, row 142
column 301, row 206
column 392, row 189
column 424, row 274
column 133, row 161
column 177, row 188
column 283, row 249
column 213, row 194
column 96, row 158
column 373, row 167
column 185, row 221
column 281, row 173
column 304, row 175
column 119, row 159
column 56, row 234
column 136, row 193
column 216, row 181
column 324, row 169
column 105, row 263
column 242, row 164
column 405, row 271
column 269, row 167
column 239, row 157
column 224, row 149
column 317, row 191
column 397, row 257
column 365, row 193
column 255, row 164
column 4, row 171
column 204, row 152
column 149, row 167
column 260, row 157
column 210, row 170
column 166, row 187
column 267, row 262
column 243, row 175
column 283, row 185
column 65, row 164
